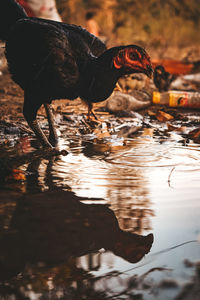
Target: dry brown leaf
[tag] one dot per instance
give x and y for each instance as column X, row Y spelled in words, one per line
column 151, row 113
column 194, row 134
column 174, row 128
column 101, row 148
column 163, row 117
column 101, row 134
column 148, row 132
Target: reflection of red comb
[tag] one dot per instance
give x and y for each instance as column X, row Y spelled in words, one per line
column 17, row 175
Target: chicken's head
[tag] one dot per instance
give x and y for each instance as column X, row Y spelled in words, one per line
column 133, row 59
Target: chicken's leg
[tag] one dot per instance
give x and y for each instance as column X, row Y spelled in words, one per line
column 91, row 112
column 53, row 137
column 90, row 107
column 30, row 112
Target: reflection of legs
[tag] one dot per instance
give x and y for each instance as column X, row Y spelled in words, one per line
column 33, row 182
column 53, row 138
column 31, row 107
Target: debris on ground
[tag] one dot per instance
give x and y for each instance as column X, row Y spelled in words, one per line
column 190, row 82
column 128, row 83
column 163, row 117
column 118, row 119
column 120, row 102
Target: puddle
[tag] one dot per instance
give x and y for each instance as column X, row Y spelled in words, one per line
column 78, row 226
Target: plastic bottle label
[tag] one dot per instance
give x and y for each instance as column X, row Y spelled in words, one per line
column 176, row 99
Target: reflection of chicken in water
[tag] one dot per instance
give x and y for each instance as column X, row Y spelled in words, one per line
column 52, row 60
column 53, row 226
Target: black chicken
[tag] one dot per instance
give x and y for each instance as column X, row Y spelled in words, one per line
column 52, row 60
column 162, row 79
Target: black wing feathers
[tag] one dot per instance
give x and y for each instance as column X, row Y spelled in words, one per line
column 39, row 55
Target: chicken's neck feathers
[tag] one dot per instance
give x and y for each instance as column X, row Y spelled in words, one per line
column 98, row 81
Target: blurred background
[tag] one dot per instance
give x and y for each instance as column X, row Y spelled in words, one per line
column 167, row 28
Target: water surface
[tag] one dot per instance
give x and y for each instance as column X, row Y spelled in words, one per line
column 64, row 229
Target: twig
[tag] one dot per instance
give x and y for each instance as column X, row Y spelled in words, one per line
column 170, row 175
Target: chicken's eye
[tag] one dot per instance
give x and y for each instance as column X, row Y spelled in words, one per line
column 133, row 56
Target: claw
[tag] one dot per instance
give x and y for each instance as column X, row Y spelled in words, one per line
column 118, row 88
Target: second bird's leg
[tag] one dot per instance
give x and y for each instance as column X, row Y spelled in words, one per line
column 53, row 137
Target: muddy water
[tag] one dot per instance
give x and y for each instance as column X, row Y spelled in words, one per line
column 60, row 235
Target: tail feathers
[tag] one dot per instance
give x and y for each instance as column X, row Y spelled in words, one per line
column 10, row 12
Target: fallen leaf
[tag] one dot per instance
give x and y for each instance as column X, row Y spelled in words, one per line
column 101, row 134
column 174, row 128
column 194, row 134
column 148, row 132
column 163, row 117
column 100, row 148
column 151, row 113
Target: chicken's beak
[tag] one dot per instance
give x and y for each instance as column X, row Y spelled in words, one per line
column 149, row 71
